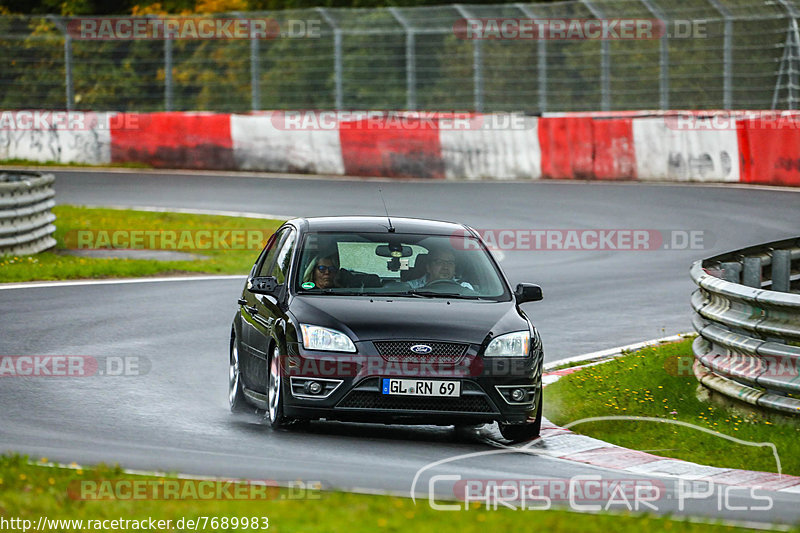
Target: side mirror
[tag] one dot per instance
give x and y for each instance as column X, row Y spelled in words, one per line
column 262, row 285
column 527, row 292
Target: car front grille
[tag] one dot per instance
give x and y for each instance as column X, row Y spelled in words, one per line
column 375, row 400
column 441, row 352
column 368, row 396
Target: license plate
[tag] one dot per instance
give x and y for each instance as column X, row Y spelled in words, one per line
column 421, row 387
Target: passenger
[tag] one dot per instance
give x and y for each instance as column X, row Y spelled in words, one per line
column 441, row 266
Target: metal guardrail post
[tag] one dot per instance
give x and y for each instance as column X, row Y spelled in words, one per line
column 791, row 54
column 337, row 57
column 541, row 60
column 68, row 83
column 255, row 82
column 727, row 57
column 751, row 273
column 663, row 55
column 781, row 270
column 411, row 59
column 731, row 271
column 477, row 64
column 69, row 87
column 26, row 223
column 167, row 74
column 605, row 62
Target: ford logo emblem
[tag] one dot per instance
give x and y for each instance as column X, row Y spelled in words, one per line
column 421, row 348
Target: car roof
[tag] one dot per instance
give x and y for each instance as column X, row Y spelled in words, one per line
column 375, row 224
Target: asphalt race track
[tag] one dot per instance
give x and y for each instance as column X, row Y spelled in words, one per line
column 174, row 415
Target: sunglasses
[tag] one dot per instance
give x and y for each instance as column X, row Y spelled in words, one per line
column 323, row 268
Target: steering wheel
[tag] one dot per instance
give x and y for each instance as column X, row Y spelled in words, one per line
column 443, row 282
column 449, row 283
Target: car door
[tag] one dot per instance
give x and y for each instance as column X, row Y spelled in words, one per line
column 268, row 312
column 252, row 357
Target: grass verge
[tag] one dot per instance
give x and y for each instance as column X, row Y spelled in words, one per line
column 30, row 492
column 54, row 265
column 658, row 382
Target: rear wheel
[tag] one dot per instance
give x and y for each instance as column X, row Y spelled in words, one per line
column 274, row 392
column 236, row 398
column 526, row 431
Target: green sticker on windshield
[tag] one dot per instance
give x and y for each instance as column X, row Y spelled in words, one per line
column 308, row 285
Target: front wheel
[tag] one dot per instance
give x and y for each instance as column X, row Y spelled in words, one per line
column 274, row 393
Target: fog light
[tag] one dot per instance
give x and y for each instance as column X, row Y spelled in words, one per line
column 313, row 387
column 518, row 395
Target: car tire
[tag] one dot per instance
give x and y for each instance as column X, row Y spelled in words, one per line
column 274, row 392
column 526, row 431
column 236, row 399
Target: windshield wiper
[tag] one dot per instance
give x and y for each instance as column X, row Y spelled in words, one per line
column 434, row 294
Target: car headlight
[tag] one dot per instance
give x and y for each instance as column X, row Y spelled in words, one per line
column 330, row 340
column 514, row 344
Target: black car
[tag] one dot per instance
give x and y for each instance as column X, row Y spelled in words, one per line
column 388, row 320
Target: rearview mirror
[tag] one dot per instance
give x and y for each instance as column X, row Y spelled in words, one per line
column 527, row 292
column 262, row 285
column 393, row 250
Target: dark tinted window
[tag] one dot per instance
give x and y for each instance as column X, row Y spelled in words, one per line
column 283, row 258
column 265, row 269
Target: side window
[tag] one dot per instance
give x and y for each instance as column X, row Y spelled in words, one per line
column 265, row 268
column 284, row 258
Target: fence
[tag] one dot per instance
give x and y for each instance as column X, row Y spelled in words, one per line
column 749, row 327
column 731, row 54
column 26, row 223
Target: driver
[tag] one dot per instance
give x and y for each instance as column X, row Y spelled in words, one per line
column 441, row 266
column 323, row 272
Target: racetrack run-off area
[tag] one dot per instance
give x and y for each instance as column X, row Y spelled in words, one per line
column 175, row 417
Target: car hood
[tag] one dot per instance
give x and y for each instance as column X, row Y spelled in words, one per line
column 374, row 318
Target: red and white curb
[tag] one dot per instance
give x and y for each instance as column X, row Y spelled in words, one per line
column 561, row 443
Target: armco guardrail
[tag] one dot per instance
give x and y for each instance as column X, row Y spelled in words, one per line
column 747, row 315
column 26, row 223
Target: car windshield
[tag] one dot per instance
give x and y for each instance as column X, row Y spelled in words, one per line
column 409, row 265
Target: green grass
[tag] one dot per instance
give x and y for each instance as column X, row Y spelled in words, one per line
column 30, row 492
column 658, row 382
column 31, row 163
column 57, row 266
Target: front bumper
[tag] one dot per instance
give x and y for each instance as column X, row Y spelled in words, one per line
column 359, row 397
